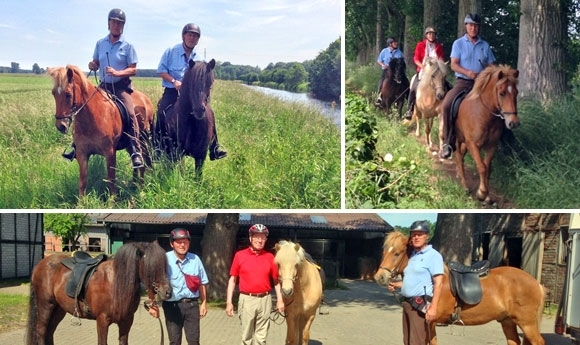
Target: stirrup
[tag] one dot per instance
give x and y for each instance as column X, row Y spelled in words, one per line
column 216, row 153
column 137, row 165
column 70, row 156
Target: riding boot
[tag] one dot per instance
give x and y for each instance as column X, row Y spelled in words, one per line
column 134, row 147
column 215, row 151
column 446, row 148
column 410, row 107
column 70, row 155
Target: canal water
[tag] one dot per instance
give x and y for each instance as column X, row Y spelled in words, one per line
column 327, row 109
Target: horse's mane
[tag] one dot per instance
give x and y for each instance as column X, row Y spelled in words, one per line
column 487, row 76
column 60, row 78
column 126, row 286
column 286, row 251
column 431, row 66
column 396, row 239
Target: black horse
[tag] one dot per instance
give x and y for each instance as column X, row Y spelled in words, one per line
column 190, row 123
column 395, row 88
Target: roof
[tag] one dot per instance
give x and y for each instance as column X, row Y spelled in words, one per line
column 320, row 221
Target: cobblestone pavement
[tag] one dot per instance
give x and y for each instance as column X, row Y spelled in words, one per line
column 363, row 314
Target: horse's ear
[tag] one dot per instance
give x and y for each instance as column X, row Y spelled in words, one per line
column 69, row 74
column 211, row 64
column 297, row 246
column 277, row 247
column 191, row 63
column 500, row 75
column 516, row 73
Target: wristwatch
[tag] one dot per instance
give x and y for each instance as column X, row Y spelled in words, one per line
column 172, row 81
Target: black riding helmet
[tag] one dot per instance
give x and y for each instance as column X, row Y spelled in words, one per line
column 178, row 233
column 420, row 225
column 117, row 14
column 191, row 27
column 472, row 18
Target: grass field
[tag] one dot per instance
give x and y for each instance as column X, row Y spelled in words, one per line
column 280, row 156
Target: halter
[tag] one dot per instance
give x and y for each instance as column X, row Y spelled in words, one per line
column 395, row 271
column 75, row 110
column 502, row 114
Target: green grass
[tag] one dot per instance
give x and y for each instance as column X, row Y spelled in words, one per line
column 280, row 156
column 536, row 169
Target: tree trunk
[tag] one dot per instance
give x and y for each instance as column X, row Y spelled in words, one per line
column 540, row 49
column 218, row 248
column 465, row 7
column 431, row 10
column 453, row 236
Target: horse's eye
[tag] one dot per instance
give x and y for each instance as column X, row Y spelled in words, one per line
column 502, row 94
column 68, row 96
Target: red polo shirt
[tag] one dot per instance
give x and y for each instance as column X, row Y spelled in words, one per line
column 254, row 270
column 420, row 52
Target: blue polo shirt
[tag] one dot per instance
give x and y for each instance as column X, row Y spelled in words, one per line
column 121, row 54
column 190, row 265
column 474, row 57
column 418, row 275
column 175, row 62
column 387, row 54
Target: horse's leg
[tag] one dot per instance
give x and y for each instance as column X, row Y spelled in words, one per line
column 306, row 329
column 199, row 166
column 510, row 331
column 459, row 155
column 428, row 127
column 532, row 335
column 483, row 191
column 103, row 323
column 432, row 333
column 124, row 328
column 111, row 160
column 417, row 118
column 291, row 330
column 56, row 317
column 83, row 162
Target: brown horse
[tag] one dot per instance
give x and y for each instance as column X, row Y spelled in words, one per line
column 190, row 124
column 489, row 107
column 395, row 87
column 96, row 121
column 510, row 296
column 430, row 93
column 112, row 294
column 301, row 285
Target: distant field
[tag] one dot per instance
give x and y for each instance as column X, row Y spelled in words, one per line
column 280, row 156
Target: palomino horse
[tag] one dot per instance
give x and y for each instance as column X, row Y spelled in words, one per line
column 509, row 295
column 489, row 107
column 430, row 93
column 111, row 296
column 301, row 290
column 96, row 121
column 395, row 88
column 190, row 123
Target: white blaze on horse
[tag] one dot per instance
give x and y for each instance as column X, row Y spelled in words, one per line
column 301, row 286
column 430, row 93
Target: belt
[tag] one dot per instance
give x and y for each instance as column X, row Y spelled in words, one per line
column 262, row 294
column 186, row 300
column 465, row 79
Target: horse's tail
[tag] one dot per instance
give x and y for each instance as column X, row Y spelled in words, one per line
column 31, row 333
column 540, row 310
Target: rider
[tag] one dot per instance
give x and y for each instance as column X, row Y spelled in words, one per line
column 118, row 60
column 171, row 69
column 429, row 47
column 470, row 55
column 388, row 53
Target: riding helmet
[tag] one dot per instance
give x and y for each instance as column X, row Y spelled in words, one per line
column 258, row 229
column 472, row 18
column 430, row 29
column 420, row 225
column 117, row 14
column 191, row 27
column 390, row 40
column 178, row 233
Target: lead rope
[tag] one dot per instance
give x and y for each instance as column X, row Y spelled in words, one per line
column 148, row 305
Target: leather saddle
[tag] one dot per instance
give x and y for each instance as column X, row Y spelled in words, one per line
column 453, row 115
column 465, row 280
column 83, row 266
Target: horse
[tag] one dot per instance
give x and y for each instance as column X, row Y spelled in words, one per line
column 489, row 107
column 190, row 124
column 509, row 295
column 395, row 87
column 430, row 93
column 301, row 286
column 96, row 121
column 111, row 296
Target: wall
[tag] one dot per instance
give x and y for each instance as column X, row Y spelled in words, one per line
column 21, row 244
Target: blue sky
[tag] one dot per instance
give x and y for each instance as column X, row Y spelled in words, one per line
column 405, row 219
column 243, row 32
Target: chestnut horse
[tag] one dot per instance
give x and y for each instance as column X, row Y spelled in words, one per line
column 112, row 294
column 430, row 93
column 487, row 109
column 190, row 123
column 301, row 286
column 395, row 87
column 510, row 296
column 96, row 121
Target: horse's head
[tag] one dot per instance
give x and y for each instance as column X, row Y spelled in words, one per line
column 507, row 96
column 397, row 68
column 395, row 257
column 197, row 83
column 67, row 94
column 434, row 74
column 153, row 272
column 289, row 256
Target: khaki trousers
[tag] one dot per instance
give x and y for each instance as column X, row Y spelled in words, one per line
column 254, row 314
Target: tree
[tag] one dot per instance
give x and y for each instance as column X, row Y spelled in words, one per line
column 541, row 55
column 15, row 67
column 218, row 246
column 68, row 226
column 324, row 78
column 36, row 69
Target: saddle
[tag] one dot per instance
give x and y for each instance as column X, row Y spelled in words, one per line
column 83, row 266
column 453, row 115
column 465, row 280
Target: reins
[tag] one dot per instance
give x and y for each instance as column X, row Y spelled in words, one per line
column 76, row 110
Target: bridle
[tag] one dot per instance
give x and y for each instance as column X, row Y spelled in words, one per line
column 396, row 270
column 502, row 114
column 76, row 109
